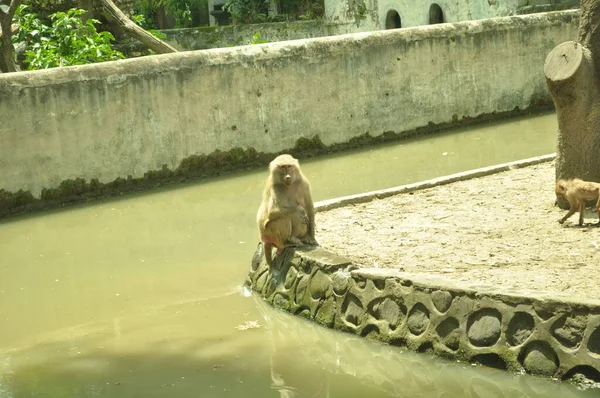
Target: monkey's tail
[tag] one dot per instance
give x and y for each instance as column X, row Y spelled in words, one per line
column 268, row 249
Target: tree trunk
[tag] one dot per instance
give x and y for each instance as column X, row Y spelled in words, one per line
column 135, row 31
column 572, row 72
column 7, row 58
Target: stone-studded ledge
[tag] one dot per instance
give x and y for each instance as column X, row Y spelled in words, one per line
column 534, row 333
column 544, row 334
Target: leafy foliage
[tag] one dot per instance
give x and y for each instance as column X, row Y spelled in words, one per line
column 247, row 11
column 256, row 11
column 183, row 11
column 256, row 39
column 67, row 41
column 140, row 20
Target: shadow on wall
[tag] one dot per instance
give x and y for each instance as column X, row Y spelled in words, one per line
column 393, row 20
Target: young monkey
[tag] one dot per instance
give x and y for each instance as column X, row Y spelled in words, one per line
column 577, row 192
column 286, row 216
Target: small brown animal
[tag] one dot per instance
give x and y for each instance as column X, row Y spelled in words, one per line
column 286, row 216
column 577, row 192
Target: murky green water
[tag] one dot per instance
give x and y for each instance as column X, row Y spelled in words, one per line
column 141, row 297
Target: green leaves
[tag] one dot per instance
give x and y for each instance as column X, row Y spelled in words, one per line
column 67, row 41
column 247, row 11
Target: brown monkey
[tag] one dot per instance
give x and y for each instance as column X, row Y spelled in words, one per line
column 577, row 192
column 286, row 216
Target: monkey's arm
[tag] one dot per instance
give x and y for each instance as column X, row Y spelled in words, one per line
column 310, row 212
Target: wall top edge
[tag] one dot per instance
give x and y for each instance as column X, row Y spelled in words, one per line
column 250, row 55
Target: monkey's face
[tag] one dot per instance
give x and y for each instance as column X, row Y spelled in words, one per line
column 286, row 173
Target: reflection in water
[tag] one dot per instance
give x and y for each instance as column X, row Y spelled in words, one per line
column 140, row 296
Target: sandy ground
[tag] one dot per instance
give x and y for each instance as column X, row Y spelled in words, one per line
column 499, row 230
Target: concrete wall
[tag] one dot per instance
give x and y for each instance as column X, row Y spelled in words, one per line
column 238, row 35
column 124, row 118
column 416, row 13
column 342, row 17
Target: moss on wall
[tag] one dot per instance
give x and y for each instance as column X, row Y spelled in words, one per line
column 217, row 163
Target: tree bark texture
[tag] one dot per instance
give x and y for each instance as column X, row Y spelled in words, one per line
column 7, row 58
column 572, row 72
column 133, row 30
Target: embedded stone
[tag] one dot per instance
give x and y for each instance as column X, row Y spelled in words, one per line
column 483, row 327
column 305, row 313
column 594, row 341
column 539, row 358
column 281, row 302
column 270, row 288
column 301, row 289
column 319, row 284
column 448, row 332
column 352, row 310
column 442, row 300
column 418, row 319
column 257, row 257
column 386, row 310
column 360, row 282
column 290, row 278
column 326, row 313
column 340, row 283
column 261, row 281
column 519, row 328
column 568, row 330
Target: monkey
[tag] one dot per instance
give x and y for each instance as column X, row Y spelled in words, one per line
column 286, row 215
column 577, row 192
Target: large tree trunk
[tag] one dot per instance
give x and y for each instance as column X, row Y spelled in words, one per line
column 135, row 31
column 7, row 58
column 572, row 72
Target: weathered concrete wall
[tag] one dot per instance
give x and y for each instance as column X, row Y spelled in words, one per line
column 238, row 35
column 416, row 13
column 544, row 333
column 120, row 120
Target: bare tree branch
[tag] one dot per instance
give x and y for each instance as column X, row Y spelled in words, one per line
column 133, row 30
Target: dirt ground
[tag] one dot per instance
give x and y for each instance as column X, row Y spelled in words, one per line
column 499, row 230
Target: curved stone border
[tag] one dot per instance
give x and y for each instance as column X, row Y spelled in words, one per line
column 543, row 334
column 466, row 175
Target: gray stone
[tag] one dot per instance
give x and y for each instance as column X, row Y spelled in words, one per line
column 320, row 283
column 442, row 300
column 539, row 358
column 418, row 319
column 290, row 278
column 568, row 330
column 301, row 289
column 340, row 283
column 352, row 310
column 260, row 282
column 594, row 341
column 304, row 314
column 448, row 332
column 387, row 310
column 519, row 328
column 483, row 327
column 326, row 313
column 281, row 302
column 257, row 257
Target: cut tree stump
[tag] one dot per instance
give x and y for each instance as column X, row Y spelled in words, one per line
column 572, row 72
